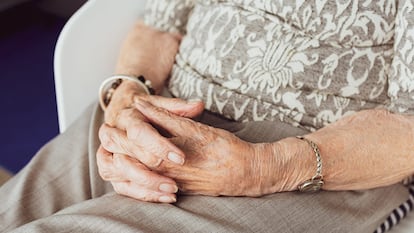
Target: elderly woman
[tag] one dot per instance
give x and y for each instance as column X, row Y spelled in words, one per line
column 246, row 77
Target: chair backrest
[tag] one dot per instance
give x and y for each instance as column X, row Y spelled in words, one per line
column 87, row 50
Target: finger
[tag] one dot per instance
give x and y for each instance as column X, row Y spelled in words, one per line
column 127, row 116
column 141, row 141
column 175, row 125
column 106, row 168
column 116, row 141
column 191, row 108
column 135, row 191
column 136, row 172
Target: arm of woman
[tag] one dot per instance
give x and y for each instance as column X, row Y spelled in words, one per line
column 368, row 149
column 151, row 53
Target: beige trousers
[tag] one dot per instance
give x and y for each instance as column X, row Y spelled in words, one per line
column 60, row 191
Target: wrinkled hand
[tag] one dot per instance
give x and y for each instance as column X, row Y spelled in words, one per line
column 217, row 162
column 130, row 133
column 368, row 149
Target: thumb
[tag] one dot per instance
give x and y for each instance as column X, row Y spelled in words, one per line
column 180, row 107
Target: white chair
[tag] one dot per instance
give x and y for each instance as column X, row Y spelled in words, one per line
column 87, row 50
column 86, row 53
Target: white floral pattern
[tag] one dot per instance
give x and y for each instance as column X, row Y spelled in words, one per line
column 308, row 63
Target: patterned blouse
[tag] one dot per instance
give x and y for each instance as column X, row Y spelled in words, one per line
column 307, row 63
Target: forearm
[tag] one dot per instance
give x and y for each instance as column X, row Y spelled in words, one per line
column 147, row 52
column 366, row 150
column 144, row 68
column 370, row 155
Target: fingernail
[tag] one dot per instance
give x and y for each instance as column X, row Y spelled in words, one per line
column 168, row 188
column 175, row 158
column 167, row 199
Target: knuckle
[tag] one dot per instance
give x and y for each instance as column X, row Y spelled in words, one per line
column 111, row 115
column 136, row 129
column 126, row 114
column 106, row 137
column 147, row 198
column 147, row 183
column 100, row 153
column 156, row 149
column 107, row 141
column 155, row 163
column 145, row 97
column 150, row 181
column 151, row 161
column 158, row 146
column 105, row 175
column 141, row 175
column 104, row 171
column 102, row 130
column 138, row 98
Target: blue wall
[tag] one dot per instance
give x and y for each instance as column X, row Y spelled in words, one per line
column 27, row 97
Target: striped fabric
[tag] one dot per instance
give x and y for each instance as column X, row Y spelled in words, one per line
column 400, row 212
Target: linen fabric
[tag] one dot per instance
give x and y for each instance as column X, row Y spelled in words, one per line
column 60, row 191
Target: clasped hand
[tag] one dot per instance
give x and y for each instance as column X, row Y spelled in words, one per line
column 196, row 158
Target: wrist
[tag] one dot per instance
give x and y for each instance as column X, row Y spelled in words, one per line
column 150, row 74
column 284, row 165
column 268, row 169
column 301, row 165
column 122, row 98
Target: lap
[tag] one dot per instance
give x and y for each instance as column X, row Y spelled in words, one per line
column 282, row 212
column 360, row 211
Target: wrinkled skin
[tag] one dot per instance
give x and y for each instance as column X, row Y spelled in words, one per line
column 368, row 149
